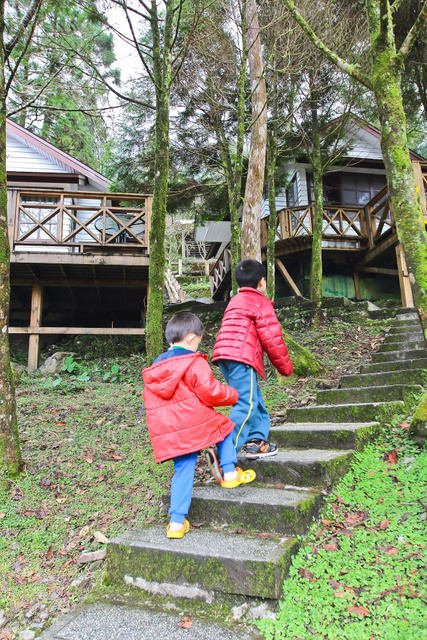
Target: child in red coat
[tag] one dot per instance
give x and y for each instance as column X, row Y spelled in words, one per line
column 249, row 328
column 179, row 395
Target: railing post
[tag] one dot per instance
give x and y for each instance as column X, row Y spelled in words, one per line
column 148, row 204
column 35, row 322
column 420, row 187
column 405, row 284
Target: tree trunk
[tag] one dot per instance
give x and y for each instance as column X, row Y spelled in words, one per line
column 10, row 452
column 316, row 252
column 271, row 237
column 251, row 223
column 405, row 202
column 162, row 63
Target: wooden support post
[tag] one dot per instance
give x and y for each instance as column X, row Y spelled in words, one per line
column 285, row 273
column 357, row 285
column 420, row 188
column 405, row 285
column 35, row 321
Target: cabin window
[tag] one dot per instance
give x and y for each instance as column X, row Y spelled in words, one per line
column 292, row 194
column 351, row 189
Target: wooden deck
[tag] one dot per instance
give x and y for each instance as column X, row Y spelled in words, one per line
column 81, row 257
column 365, row 235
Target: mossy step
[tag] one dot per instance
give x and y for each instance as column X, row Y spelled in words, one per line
column 367, row 394
column 392, row 356
column 407, row 345
column 398, row 331
column 312, row 467
column 345, row 435
column 255, row 508
column 407, row 337
column 404, row 321
column 411, row 376
column 200, row 564
column 398, row 365
column 356, row 412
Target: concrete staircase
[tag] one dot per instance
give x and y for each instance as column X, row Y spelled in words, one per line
column 248, row 536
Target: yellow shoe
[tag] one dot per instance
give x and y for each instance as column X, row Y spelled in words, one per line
column 180, row 533
column 243, row 477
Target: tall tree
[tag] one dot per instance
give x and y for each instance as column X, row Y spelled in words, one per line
column 54, row 93
column 384, row 81
column 251, row 218
column 19, row 34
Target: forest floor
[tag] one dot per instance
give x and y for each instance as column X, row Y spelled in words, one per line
column 90, row 475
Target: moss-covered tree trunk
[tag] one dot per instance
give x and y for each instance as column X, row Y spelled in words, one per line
column 251, row 221
column 386, row 82
column 316, row 252
column 10, row 453
column 271, row 236
column 162, row 65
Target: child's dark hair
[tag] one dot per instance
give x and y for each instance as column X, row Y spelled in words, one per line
column 181, row 324
column 249, row 273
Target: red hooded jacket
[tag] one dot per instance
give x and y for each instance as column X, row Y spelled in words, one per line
column 179, row 394
column 250, row 327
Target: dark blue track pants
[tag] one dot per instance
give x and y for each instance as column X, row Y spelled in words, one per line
column 249, row 414
column 183, row 478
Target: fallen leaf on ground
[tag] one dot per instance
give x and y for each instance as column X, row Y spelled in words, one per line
column 2, row 514
column 98, row 422
column 340, row 594
column 100, row 537
column 384, row 524
column 392, row 552
column 49, row 553
column 186, row 622
column 360, row 611
column 305, row 573
column 89, row 460
column 331, row 547
column 92, row 556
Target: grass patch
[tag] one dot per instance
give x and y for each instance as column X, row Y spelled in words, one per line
column 360, row 576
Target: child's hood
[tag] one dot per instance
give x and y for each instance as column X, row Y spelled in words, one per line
column 163, row 377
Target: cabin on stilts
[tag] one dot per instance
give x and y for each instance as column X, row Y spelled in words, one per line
column 361, row 254
column 79, row 254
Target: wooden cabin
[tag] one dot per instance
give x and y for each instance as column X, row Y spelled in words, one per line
column 362, row 257
column 79, row 254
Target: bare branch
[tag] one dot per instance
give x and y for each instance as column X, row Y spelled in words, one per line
column 413, row 33
column 350, row 69
column 32, row 12
column 140, row 54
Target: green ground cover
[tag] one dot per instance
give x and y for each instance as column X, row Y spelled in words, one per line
column 361, row 573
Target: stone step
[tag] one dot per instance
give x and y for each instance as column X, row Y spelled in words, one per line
column 397, row 331
column 200, row 564
column 411, row 376
column 398, row 365
column 408, row 344
column 255, row 508
column 408, row 337
column 391, row 356
column 371, row 411
column 345, row 435
column 114, row 618
column 367, row 394
column 404, row 321
column 311, row 467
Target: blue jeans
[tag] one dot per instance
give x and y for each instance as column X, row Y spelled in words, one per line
column 183, row 478
column 249, row 413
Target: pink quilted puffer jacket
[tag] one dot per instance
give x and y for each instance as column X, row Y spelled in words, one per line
column 250, row 327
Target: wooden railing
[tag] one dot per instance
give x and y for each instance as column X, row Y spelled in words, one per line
column 379, row 217
column 74, row 219
column 338, row 222
column 220, row 269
